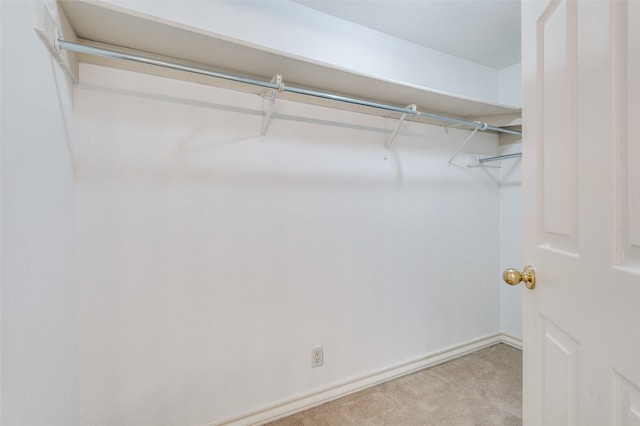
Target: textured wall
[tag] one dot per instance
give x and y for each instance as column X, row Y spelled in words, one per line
column 511, row 203
column 39, row 333
column 211, row 260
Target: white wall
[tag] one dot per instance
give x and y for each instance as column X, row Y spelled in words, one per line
column 511, row 203
column 511, row 211
column 39, row 334
column 211, row 260
column 511, row 85
column 295, row 29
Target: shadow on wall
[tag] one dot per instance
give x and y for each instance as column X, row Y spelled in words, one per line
column 298, row 149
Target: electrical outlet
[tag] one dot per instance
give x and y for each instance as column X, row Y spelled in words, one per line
column 316, row 356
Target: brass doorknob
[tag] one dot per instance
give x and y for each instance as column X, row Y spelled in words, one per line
column 513, row 277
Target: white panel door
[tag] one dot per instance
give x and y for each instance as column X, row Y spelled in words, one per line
column 581, row 115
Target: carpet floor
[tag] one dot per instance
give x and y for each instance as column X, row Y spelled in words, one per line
column 483, row 388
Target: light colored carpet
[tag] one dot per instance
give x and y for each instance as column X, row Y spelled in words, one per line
column 482, row 388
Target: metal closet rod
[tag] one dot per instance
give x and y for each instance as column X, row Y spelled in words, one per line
column 500, row 157
column 98, row 51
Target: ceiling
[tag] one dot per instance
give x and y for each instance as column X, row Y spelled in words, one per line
column 486, row 32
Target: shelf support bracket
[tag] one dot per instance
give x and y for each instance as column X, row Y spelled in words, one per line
column 482, row 126
column 50, row 31
column 272, row 99
column 389, row 143
column 446, row 128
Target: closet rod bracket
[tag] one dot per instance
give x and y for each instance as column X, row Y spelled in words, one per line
column 446, row 128
column 479, row 126
column 272, row 99
column 389, row 143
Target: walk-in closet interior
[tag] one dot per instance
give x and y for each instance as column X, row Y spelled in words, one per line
column 197, row 194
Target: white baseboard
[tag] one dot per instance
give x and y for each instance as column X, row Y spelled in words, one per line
column 331, row 393
column 511, row 340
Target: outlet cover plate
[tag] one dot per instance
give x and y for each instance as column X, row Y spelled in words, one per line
column 316, row 356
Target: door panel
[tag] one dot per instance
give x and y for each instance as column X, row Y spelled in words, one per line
column 560, row 376
column 557, row 51
column 626, row 94
column 627, row 397
column 581, row 186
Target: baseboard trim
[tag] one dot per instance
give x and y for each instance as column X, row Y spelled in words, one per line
column 511, row 340
column 340, row 390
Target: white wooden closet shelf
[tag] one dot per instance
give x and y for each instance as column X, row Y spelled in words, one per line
column 97, row 32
